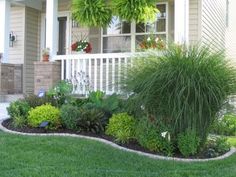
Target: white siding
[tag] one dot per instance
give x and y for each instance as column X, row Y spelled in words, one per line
column 194, row 21
column 214, row 23
column 231, row 31
column 16, row 53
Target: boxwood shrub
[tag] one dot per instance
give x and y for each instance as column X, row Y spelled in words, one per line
column 43, row 113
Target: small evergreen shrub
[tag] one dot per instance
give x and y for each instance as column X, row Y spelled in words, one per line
column 69, row 116
column 34, row 100
column 18, row 111
column 91, row 119
column 188, row 143
column 43, row 113
column 148, row 135
column 122, row 127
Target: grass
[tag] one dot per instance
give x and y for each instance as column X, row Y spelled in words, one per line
column 23, row 156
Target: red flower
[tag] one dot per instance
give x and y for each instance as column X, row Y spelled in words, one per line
column 74, row 46
column 88, row 48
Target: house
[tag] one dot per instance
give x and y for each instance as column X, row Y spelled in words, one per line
column 33, row 25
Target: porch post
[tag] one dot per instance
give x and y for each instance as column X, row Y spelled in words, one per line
column 52, row 26
column 4, row 29
column 181, row 21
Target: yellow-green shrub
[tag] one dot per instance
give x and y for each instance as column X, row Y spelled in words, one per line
column 43, row 113
column 122, row 127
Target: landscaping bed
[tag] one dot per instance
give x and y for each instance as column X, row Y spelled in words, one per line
column 133, row 144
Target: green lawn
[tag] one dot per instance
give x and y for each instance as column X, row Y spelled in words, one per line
column 73, row 157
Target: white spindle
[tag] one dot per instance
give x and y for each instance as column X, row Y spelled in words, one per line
column 107, row 75
column 62, row 69
column 95, row 74
column 113, row 74
column 119, row 74
column 101, row 74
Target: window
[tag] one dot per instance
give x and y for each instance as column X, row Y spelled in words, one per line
column 227, row 13
column 117, row 37
column 121, row 36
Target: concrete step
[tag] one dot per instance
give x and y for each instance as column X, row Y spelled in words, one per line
column 10, row 98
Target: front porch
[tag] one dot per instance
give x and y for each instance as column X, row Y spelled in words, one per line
column 48, row 24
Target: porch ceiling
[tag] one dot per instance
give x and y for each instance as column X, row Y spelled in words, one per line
column 36, row 4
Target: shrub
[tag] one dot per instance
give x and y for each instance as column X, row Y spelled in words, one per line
column 121, row 126
column 216, row 146
column 110, row 104
column 225, row 126
column 91, row 119
column 18, row 111
column 185, row 87
column 148, row 135
column 188, row 143
column 35, row 101
column 69, row 116
column 43, row 113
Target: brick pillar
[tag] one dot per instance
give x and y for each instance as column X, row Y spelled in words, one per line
column 10, row 78
column 46, row 75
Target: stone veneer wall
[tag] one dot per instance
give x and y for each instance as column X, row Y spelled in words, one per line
column 46, row 75
column 11, row 78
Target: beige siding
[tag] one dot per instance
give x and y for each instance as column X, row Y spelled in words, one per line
column 231, row 32
column 31, row 47
column 194, row 21
column 63, row 5
column 213, row 23
column 16, row 53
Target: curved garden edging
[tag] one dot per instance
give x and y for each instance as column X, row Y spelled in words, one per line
column 231, row 152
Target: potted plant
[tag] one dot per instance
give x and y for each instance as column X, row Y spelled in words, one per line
column 45, row 54
column 82, row 46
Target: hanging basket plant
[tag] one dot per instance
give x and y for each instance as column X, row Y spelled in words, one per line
column 141, row 11
column 91, row 13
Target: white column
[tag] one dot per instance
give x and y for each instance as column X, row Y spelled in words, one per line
column 4, row 28
column 181, row 21
column 52, row 26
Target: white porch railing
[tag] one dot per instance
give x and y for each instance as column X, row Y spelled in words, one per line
column 92, row 72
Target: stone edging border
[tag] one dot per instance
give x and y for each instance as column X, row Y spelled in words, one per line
column 231, row 152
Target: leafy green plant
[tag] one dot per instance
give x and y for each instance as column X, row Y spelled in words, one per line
column 135, row 10
column 69, row 116
column 91, row 119
column 91, row 13
column 225, row 125
column 109, row 104
column 18, row 111
column 43, row 113
column 122, row 127
column 185, row 86
column 61, row 92
column 188, row 143
column 216, row 146
column 148, row 135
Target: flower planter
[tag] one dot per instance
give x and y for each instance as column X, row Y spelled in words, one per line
column 45, row 58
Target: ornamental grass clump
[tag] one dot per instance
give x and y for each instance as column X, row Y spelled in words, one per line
column 184, row 88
